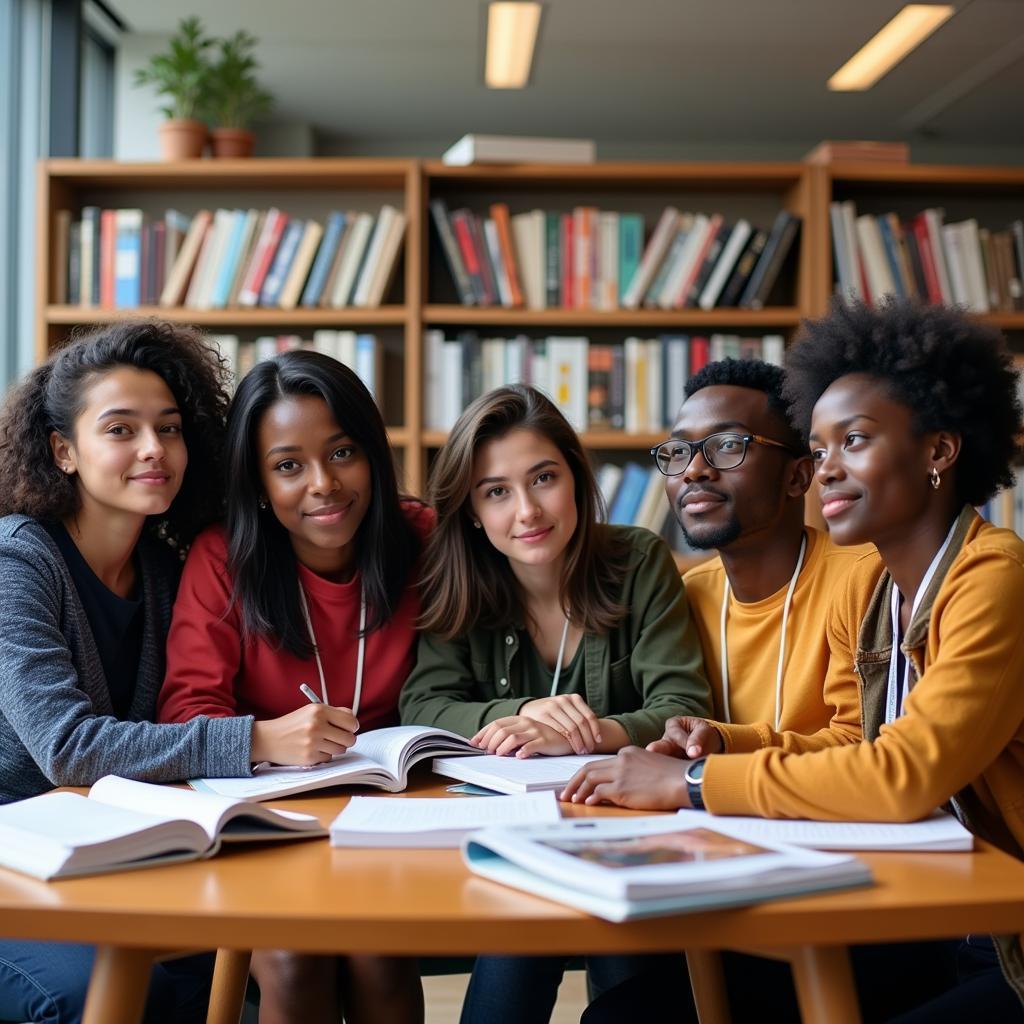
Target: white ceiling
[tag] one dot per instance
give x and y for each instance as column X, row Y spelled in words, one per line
column 625, row 71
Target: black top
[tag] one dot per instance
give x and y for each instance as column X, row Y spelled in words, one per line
column 116, row 622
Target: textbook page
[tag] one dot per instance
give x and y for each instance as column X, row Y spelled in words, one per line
column 513, row 774
column 435, row 822
column 941, row 832
column 218, row 816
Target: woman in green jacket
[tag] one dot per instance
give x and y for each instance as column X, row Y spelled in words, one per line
column 544, row 630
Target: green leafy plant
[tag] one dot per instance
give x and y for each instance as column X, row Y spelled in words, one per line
column 234, row 96
column 182, row 73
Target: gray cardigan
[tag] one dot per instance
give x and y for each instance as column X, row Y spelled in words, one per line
column 57, row 724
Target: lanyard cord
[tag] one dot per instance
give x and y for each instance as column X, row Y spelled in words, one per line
column 895, row 693
column 782, row 639
column 561, row 652
column 359, row 658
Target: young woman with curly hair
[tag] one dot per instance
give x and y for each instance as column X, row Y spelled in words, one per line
column 913, row 419
column 547, row 631
column 109, row 448
column 312, row 577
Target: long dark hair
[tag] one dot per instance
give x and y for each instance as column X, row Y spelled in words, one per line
column 260, row 555
column 466, row 582
column 51, row 397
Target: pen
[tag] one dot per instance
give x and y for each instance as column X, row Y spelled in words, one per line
column 309, row 694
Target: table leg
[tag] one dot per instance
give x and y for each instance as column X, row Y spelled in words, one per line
column 824, row 985
column 229, row 980
column 707, row 980
column 118, row 985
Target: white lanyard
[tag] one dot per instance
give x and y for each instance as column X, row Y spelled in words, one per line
column 782, row 638
column 561, row 651
column 359, row 657
column 897, row 694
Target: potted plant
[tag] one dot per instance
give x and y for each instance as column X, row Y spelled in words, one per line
column 182, row 74
column 234, row 97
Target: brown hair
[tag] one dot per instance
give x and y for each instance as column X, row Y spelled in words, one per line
column 466, row 582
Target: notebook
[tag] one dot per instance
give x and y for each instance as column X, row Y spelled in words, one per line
column 513, row 774
column 123, row 824
column 432, row 823
column 380, row 758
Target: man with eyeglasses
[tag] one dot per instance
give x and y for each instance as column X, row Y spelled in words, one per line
column 736, row 472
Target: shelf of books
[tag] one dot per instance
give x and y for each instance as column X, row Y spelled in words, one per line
column 944, row 234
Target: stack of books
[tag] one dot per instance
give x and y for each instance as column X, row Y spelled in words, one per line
column 217, row 259
column 636, row 385
column 596, row 259
column 927, row 259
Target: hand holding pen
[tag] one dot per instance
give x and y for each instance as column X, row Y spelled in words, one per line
column 313, row 734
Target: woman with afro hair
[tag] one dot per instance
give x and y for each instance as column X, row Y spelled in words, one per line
column 913, row 419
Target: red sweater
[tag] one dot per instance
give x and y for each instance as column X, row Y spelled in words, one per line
column 211, row 671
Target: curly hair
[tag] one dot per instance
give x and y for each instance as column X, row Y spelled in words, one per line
column 756, row 375
column 52, row 396
column 951, row 370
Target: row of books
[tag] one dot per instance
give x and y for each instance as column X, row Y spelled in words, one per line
column 596, row 259
column 925, row 258
column 363, row 353
column 636, row 385
column 217, row 259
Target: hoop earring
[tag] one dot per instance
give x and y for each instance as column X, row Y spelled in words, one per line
column 935, row 478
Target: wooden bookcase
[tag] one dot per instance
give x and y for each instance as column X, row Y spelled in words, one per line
column 421, row 297
column 993, row 195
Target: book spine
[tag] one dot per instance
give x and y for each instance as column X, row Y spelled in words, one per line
column 552, row 261
column 452, row 253
column 503, row 226
column 324, row 259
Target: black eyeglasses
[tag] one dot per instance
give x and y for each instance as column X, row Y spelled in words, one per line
column 721, row 451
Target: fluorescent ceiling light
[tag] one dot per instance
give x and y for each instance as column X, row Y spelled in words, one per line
column 911, row 27
column 511, row 35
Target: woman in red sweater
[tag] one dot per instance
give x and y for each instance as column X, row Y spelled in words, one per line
column 311, row 580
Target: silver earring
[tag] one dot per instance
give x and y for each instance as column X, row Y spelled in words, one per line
column 262, row 503
column 477, row 523
column 935, row 478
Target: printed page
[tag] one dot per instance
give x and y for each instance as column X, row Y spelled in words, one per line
column 391, row 747
column 279, row 780
column 416, row 814
column 532, row 772
column 939, row 832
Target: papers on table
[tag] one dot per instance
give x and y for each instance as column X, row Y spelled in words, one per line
column 940, row 832
column 438, row 822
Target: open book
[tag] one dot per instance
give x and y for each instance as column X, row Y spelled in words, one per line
column 434, row 822
column 940, row 832
column 624, row 868
column 380, row 758
column 123, row 824
column 513, row 774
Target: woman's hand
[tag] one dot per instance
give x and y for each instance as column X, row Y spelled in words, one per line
column 570, row 715
column 689, row 738
column 521, row 736
column 311, row 735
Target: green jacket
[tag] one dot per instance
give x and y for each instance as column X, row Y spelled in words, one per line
column 647, row 669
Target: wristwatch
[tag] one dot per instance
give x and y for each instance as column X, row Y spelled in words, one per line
column 694, row 778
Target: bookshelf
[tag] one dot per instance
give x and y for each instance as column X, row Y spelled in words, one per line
column 992, row 195
column 422, row 297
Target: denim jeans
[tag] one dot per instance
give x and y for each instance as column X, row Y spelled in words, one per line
column 47, row 982
column 523, row 989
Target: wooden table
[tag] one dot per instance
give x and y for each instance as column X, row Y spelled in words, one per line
column 309, row 897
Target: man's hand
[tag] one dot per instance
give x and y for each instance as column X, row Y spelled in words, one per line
column 570, row 715
column 636, row 778
column 688, row 738
column 521, row 736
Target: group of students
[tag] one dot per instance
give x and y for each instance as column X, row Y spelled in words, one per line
column 871, row 673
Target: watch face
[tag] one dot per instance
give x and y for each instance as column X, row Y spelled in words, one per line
column 696, row 771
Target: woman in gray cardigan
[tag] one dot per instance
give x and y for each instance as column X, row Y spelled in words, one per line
column 110, row 455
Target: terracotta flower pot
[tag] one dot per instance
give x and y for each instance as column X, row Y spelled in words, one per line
column 181, row 139
column 232, row 142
